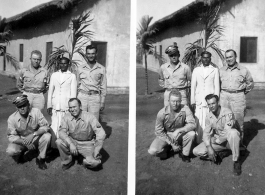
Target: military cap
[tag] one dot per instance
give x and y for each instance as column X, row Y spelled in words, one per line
column 172, row 49
column 21, row 100
column 206, row 53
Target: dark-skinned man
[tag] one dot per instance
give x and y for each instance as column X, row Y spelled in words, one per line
column 92, row 83
column 63, row 86
column 175, row 126
column 205, row 80
column 27, row 130
column 219, row 134
column 80, row 133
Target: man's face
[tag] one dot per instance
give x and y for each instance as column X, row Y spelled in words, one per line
column 206, row 59
column 35, row 60
column 174, row 102
column 23, row 110
column 230, row 58
column 213, row 105
column 174, row 58
column 91, row 55
column 63, row 65
column 74, row 108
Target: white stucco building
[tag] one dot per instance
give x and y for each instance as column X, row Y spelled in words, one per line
column 47, row 26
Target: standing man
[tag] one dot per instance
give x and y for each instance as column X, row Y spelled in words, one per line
column 80, row 133
column 219, row 133
column 205, row 80
column 92, row 83
column 27, row 130
column 33, row 81
column 62, row 87
column 236, row 82
column 175, row 75
column 174, row 127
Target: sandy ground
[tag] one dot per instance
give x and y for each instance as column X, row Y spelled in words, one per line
column 172, row 176
column 28, row 179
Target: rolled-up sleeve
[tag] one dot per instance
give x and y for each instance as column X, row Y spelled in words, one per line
column 190, row 121
column 103, row 86
column 64, row 131
column 12, row 134
column 159, row 128
column 42, row 122
column 161, row 79
column 249, row 82
column 20, row 81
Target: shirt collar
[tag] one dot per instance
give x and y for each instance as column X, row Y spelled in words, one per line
column 234, row 67
column 94, row 67
column 177, row 66
column 80, row 117
column 67, row 72
column 19, row 116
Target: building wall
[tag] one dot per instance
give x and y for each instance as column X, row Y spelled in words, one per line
column 245, row 19
column 111, row 24
column 182, row 35
column 240, row 18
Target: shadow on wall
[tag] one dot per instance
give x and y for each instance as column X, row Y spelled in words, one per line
column 48, row 22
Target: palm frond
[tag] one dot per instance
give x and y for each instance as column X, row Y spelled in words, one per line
column 12, row 60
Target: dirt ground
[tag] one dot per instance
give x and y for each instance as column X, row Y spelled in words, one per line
column 172, row 176
column 27, row 179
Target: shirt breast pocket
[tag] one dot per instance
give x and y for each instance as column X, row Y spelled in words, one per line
column 240, row 79
column 98, row 77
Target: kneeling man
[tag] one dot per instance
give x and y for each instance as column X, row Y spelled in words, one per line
column 175, row 126
column 80, row 133
column 219, row 133
column 27, row 130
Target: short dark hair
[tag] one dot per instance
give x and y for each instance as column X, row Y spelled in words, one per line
column 64, row 58
column 229, row 50
column 206, row 52
column 210, row 96
column 36, row 52
column 92, row 47
column 175, row 92
column 73, row 99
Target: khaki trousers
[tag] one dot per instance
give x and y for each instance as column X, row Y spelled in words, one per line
column 232, row 143
column 41, row 143
column 36, row 100
column 158, row 146
column 85, row 148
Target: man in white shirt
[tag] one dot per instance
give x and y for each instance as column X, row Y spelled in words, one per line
column 63, row 86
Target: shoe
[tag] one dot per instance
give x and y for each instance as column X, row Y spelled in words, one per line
column 67, row 166
column 237, row 168
column 184, row 158
column 41, row 163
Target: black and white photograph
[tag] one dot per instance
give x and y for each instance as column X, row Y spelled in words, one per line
column 64, row 96
column 200, row 81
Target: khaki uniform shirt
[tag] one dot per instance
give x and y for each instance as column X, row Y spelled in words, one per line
column 166, row 123
column 92, row 79
column 179, row 77
column 218, row 127
column 84, row 128
column 17, row 128
column 236, row 78
column 28, row 80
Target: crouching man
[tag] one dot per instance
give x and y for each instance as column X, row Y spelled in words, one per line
column 175, row 126
column 27, row 130
column 219, row 134
column 80, row 133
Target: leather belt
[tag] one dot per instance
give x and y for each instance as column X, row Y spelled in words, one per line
column 33, row 91
column 170, row 89
column 90, row 92
column 233, row 91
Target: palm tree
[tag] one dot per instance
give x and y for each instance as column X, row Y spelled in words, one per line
column 5, row 37
column 211, row 33
column 79, row 37
column 144, row 42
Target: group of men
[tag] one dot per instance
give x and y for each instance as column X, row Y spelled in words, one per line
column 74, row 103
column 211, row 116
